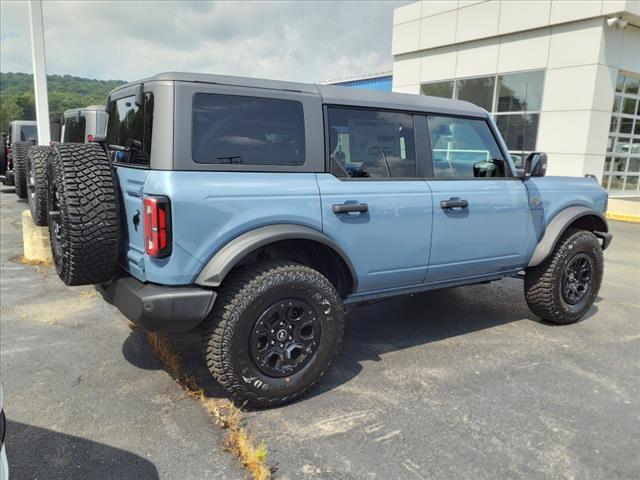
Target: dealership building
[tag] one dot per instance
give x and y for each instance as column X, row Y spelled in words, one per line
column 561, row 77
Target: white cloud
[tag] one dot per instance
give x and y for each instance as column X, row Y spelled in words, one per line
column 301, row 41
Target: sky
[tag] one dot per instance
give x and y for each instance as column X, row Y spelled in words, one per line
column 306, row 41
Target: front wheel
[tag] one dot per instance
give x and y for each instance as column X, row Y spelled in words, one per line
column 274, row 331
column 563, row 288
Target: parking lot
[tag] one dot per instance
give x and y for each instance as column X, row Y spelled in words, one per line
column 459, row 383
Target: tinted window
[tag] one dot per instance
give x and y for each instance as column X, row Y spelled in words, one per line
column 129, row 129
column 520, row 92
column 478, row 91
column 27, row 132
column 230, row 129
column 464, row 148
column 368, row 143
column 519, row 131
column 438, row 89
column 74, row 130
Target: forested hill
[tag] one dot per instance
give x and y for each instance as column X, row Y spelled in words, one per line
column 65, row 92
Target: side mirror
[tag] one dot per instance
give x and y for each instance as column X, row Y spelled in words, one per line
column 535, row 165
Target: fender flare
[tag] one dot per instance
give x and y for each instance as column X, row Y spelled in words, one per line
column 235, row 250
column 557, row 226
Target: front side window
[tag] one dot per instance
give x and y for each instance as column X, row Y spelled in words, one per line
column 464, row 148
column 74, row 130
column 236, row 130
column 371, row 144
column 129, row 128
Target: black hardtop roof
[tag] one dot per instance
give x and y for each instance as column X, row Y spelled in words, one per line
column 331, row 94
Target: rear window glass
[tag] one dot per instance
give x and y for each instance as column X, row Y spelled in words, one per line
column 129, row 130
column 236, row 130
column 74, row 130
column 27, row 132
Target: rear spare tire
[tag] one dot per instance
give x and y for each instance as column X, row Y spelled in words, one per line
column 35, row 168
column 20, row 153
column 83, row 213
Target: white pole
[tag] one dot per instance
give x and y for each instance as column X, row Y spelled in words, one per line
column 39, row 71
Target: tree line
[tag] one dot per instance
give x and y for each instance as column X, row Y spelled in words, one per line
column 17, row 101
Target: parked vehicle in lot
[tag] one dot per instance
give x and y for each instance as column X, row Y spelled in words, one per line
column 4, row 153
column 4, row 466
column 78, row 125
column 260, row 211
column 22, row 135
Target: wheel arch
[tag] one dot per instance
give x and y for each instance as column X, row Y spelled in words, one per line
column 283, row 240
column 571, row 217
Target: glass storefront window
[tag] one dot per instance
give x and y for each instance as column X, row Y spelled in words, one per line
column 631, row 86
column 513, row 99
column 629, row 106
column 626, row 125
column 438, row 89
column 478, row 91
column 631, row 183
column 520, row 92
column 519, row 131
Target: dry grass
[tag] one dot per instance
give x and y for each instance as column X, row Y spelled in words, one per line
column 26, row 261
column 223, row 412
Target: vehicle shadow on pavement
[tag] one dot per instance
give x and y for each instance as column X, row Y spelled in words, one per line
column 35, row 452
column 137, row 351
column 373, row 330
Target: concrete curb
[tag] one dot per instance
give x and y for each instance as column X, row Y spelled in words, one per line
column 623, row 217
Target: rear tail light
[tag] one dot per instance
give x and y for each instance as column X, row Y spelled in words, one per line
column 157, row 226
column 89, row 138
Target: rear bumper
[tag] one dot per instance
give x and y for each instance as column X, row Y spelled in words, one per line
column 157, row 308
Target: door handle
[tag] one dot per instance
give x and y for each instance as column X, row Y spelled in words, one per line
column 453, row 203
column 350, row 208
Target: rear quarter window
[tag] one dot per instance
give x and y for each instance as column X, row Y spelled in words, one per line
column 241, row 130
column 129, row 128
column 74, row 130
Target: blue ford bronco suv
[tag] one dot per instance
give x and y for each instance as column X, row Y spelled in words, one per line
column 260, row 211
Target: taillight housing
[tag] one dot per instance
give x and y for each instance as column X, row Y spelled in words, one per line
column 157, row 226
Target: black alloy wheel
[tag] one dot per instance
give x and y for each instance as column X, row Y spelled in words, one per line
column 285, row 337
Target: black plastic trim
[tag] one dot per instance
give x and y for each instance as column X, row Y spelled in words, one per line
column 228, row 256
column 159, row 308
column 556, row 227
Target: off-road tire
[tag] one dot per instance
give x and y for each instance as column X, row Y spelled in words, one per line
column 247, row 292
column 4, row 160
column 543, row 283
column 36, row 185
column 83, row 204
column 20, row 152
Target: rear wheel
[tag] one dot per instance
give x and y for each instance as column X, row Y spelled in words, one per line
column 36, row 186
column 83, row 213
column 20, row 152
column 274, row 331
column 563, row 288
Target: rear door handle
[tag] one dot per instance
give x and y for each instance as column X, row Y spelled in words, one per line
column 453, row 203
column 350, row 208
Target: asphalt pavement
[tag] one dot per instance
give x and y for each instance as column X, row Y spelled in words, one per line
column 453, row 384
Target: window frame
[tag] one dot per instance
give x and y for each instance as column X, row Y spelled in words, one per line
column 419, row 154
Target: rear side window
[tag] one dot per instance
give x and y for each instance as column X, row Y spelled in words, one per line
column 371, row 143
column 74, row 130
column 129, row 130
column 27, row 132
column 464, row 148
column 237, row 130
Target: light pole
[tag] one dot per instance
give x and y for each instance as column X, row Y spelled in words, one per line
column 39, row 71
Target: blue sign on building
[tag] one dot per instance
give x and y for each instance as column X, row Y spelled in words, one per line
column 382, row 82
